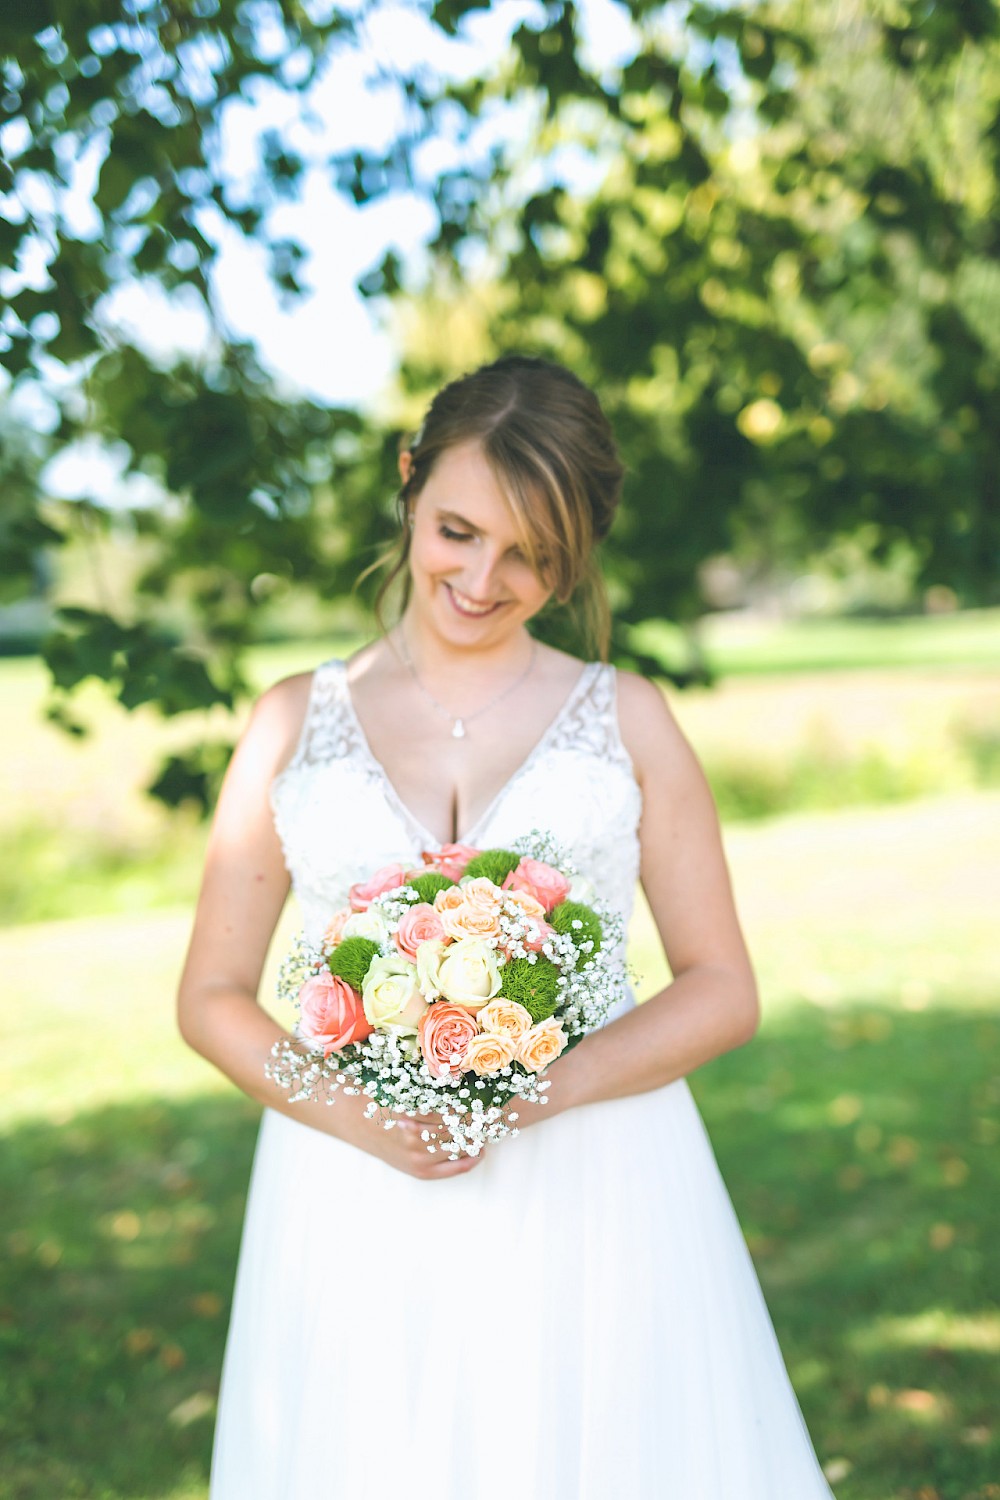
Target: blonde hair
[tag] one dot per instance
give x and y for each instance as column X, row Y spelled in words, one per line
column 553, row 452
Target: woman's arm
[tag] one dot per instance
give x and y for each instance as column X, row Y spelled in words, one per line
column 711, row 1006
column 243, row 890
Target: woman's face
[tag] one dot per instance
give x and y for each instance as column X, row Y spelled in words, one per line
column 471, row 579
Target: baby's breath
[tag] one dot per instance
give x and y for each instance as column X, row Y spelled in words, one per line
column 388, row 1068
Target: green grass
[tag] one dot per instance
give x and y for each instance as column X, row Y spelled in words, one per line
column 79, row 841
column 735, row 645
column 858, row 1136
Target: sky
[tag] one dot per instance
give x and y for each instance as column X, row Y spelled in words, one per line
column 331, row 344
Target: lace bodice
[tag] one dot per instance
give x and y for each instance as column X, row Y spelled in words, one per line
column 339, row 817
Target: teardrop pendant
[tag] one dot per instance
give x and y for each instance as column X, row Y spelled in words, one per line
column 458, row 732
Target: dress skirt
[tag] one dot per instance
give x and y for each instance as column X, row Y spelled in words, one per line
column 578, row 1318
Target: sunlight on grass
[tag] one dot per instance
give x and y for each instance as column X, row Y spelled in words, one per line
column 857, row 1132
column 935, row 1329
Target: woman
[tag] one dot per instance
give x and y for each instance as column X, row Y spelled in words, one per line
column 571, row 1315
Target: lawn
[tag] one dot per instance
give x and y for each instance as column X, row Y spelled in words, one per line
column 857, row 1133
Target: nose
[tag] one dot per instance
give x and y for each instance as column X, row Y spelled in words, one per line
column 482, row 581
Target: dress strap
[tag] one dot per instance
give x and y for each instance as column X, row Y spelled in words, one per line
column 328, row 730
column 591, row 722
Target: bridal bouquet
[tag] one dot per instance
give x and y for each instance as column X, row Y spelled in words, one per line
column 448, row 990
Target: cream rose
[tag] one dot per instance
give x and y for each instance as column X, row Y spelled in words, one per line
column 468, row 973
column 505, row 1017
column 391, row 996
column 541, row 1045
column 367, row 924
column 488, row 1053
column 429, row 956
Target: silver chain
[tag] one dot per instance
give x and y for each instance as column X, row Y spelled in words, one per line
column 459, row 721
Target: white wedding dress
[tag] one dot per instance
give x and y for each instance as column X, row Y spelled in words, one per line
column 577, row 1318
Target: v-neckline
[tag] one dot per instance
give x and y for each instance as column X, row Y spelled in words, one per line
column 583, row 680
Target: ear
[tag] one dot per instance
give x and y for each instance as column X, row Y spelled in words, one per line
column 405, row 465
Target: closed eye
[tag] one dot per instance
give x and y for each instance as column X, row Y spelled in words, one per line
column 454, row 536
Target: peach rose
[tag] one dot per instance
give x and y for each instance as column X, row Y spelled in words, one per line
column 334, row 933
column 525, row 903
column 450, row 899
column 331, row 1013
column 420, row 924
column 450, row 859
column 364, row 892
column 541, row 1045
column 477, row 914
column 505, row 1017
column 444, row 1033
column 468, row 921
column 489, row 1052
column 540, row 880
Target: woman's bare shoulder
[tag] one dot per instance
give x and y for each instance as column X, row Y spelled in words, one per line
column 649, row 730
column 277, row 719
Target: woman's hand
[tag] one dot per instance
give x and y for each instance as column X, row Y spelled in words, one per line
column 403, row 1147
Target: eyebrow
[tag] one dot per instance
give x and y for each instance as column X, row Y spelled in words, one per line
column 444, row 514
column 454, row 515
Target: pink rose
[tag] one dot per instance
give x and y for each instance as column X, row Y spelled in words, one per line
column 537, row 932
column 364, row 892
column 420, row 924
column 450, row 859
column 540, row 880
column 331, row 1013
column 445, row 1032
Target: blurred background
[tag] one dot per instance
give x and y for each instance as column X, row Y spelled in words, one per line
column 241, row 245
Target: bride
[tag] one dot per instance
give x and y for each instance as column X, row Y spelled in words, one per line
column 572, row 1314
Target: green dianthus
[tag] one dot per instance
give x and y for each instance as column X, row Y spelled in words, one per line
column 566, row 914
column 428, row 885
column 350, row 960
column 495, row 864
column 533, row 985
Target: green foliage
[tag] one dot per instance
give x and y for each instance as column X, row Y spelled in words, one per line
column 581, row 923
column 350, row 960
column 785, row 295
column 493, row 864
column 428, row 884
column 533, row 985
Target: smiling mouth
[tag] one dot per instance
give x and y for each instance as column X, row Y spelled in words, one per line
column 466, row 606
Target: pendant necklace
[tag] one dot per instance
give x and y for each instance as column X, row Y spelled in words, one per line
column 459, row 721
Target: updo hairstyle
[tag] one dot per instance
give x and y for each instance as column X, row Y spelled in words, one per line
column 554, row 456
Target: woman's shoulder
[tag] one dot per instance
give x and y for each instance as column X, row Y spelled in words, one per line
column 278, row 716
column 649, row 730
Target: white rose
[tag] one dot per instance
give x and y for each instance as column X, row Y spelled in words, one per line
column 428, row 965
column 390, row 995
column 582, row 890
column 469, row 973
column 367, row 924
